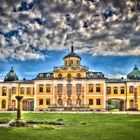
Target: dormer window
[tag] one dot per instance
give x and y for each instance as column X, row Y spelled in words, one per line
column 41, row 75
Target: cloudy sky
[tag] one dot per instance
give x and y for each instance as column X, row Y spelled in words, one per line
column 35, row 35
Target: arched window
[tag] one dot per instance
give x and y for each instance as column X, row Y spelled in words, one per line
column 71, row 62
column 60, row 102
column 60, row 76
column 66, row 63
column 3, row 104
column 77, row 62
column 78, row 75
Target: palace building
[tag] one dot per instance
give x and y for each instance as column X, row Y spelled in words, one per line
column 71, row 87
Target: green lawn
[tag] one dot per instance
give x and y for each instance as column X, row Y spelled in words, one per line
column 77, row 127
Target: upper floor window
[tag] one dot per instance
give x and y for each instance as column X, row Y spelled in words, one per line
column 3, row 91
column 131, row 89
column 40, row 101
column 108, row 90
column 41, row 88
column 48, row 88
column 78, row 87
column 60, row 76
column 60, row 88
column 98, row 101
column 22, row 90
column 13, row 90
column 122, row 90
column 28, row 90
column 90, row 101
column 69, row 88
column 115, row 90
column 90, row 87
column 98, row 88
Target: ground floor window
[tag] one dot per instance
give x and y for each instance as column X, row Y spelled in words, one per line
column 3, row 104
column 98, row 102
column 60, row 102
column 131, row 103
column 90, row 101
column 48, row 102
column 40, row 101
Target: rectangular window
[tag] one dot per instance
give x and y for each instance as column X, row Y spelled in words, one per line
column 69, row 88
column 48, row 102
column 40, row 101
column 3, row 91
column 13, row 90
column 131, row 89
column 28, row 90
column 122, row 90
column 108, row 90
column 98, row 88
column 22, row 90
column 98, row 102
column 90, row 101
column 78, row 87
column 48, row 88
column 90, row 87
column 60, row 86
column 115, row 90
column 40, row 88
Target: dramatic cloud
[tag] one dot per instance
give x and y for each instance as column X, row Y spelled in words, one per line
column 100, row 27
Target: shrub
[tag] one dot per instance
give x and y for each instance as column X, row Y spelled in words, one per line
column 83, row 123
column 59, row 120
column 44, row 127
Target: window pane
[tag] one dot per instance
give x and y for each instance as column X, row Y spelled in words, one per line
column 60, row 88
column 90, row 101
column 48, row 89
column 3, row 91
column 69, row 88
column 131, row 89
column 78, row 87
column 90, row 87
column 13, row 90
column 22, row 90
column 47, row 101
column 98, row 101
column 28, row 90
column 115, row 90
column 41, row 88
column 122, row 90
column 108, row 90
column 98, row 89
column 40, row 101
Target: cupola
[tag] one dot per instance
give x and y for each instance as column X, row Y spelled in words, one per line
column 135, row 74
column 11, row 76
column 72, row 59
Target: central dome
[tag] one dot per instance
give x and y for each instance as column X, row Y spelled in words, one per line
column 11, row 76
column 72, row 59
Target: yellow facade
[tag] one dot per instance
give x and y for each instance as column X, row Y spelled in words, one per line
column 70, row 87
